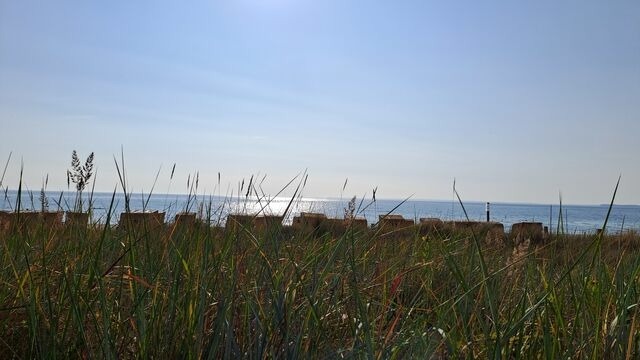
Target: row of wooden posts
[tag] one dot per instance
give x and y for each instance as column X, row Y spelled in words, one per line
column 47, row 219
column 390, row 224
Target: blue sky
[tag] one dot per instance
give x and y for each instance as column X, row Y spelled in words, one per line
column 516, row 101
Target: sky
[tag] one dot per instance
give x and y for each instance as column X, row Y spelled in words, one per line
column 516, row 101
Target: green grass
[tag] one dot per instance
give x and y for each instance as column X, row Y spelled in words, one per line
column 203, row 292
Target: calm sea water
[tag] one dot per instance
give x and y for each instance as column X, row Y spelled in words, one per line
column 577, row 218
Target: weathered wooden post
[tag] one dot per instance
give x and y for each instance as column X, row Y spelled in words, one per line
column 395, row 225
column 309, row 222
column 268, row 223
column 51, row 219
column 184, row 223
column 5, row 221
column 236, row 222
column 76, row 220
column 140, row 223
column 527, row 230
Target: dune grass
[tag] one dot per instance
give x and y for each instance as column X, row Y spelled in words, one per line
column 206, row 292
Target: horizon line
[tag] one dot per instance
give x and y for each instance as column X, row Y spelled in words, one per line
column 333, row 198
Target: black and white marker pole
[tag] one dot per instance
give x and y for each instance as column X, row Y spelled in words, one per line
column 488, row 212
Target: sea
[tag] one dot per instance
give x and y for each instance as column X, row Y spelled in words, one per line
column 575, row 219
